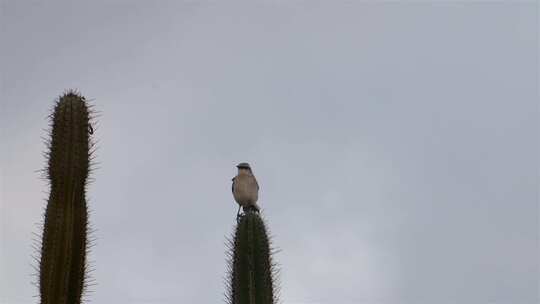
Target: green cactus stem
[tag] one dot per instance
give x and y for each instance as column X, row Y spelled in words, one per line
column 251, row 269
column 62, row 266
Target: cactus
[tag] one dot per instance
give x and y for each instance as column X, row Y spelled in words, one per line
column 251, row 271
column 63, row 265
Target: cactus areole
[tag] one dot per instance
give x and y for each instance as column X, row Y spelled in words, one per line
column 64, row 242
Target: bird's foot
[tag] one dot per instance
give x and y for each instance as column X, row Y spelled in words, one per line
column 251, row 209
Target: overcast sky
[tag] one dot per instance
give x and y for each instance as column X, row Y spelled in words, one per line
column 396, row 145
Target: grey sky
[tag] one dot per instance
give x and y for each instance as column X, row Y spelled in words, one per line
column 396, row 145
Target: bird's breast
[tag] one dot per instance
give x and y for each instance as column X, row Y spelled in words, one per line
column 245, row 190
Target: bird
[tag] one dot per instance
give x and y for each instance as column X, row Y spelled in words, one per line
column 245, row 189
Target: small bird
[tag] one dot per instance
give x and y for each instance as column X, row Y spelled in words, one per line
column 245, row 189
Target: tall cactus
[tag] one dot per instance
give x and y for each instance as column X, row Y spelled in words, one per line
column 62, row 268
column 251, row 271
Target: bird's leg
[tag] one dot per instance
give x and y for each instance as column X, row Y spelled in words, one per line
column 238, row 213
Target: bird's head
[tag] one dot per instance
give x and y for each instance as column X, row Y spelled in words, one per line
column 243, row 168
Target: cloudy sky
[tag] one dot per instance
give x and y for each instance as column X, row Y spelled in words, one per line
column 396, row 145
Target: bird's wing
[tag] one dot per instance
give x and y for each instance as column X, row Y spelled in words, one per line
column 256, row 183
column 232, row 185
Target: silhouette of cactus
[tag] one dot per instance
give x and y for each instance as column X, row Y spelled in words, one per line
column 251, row 271
column 63, row 265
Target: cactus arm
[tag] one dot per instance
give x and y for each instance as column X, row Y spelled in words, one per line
column 251, row 277
column 64, row 240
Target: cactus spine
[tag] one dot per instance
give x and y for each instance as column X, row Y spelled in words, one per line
column 62, row 266
column 250, row 266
